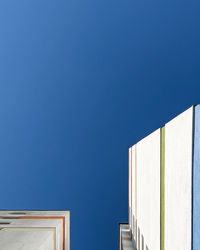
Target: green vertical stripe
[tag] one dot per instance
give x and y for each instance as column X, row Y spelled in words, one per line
column 162, row 188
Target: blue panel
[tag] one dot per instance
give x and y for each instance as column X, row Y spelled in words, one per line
column 196, row 181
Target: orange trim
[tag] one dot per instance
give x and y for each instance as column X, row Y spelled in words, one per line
column 125, row 238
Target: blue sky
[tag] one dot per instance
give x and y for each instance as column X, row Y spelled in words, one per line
column 80, row 82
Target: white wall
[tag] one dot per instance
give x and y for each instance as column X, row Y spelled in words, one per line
column 178, row 186
column 36, row 225
column 133, row 191
column 148, row 190
column 27, row 239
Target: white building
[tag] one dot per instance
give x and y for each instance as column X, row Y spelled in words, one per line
column 164, row 188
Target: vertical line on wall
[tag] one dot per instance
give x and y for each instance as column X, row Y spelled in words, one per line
column 131, row 194
column 129, row 186
column 131, row 179
column 195, row 207
column 162, row 187
column 192, row 181
column 136, row 193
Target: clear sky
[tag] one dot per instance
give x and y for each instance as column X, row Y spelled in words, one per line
column 80, row 82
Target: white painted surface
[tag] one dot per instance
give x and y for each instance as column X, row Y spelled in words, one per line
column 148, row 190
column 178, row 186
column 133, row 192
column 26, row 240
column 27, row 213
column 37, row 225
column 41, row 242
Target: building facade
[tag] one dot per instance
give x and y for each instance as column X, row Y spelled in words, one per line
column 164, row 187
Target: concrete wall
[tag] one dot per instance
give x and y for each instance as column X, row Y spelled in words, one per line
column 178, row 181
column 26, row 240
column 134, row 188
column 164, row 180
column 32, row 225
column 148, row 191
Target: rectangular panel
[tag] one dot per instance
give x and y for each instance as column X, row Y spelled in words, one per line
column 178, row 181
column 162, row 188
column 136, row 186
column 28, row 214
column 26, row 240
column 39, row 241
column 133, row 191
column 39, row 224
column 196, row 181
column 148, row 191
